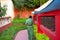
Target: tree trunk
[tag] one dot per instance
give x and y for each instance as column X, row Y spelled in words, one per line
column 40, row 2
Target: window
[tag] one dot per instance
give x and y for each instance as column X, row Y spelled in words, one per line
column 49, row 22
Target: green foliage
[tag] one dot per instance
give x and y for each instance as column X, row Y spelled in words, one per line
column 29, row 4
column 43, row 1
column 40, row 36
column 18, row 4
column 21, row 4
column 3, row 10
column 19, row 20
column 36, row 3
column 32, row 3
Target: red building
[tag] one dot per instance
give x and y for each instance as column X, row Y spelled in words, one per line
column 47, row 17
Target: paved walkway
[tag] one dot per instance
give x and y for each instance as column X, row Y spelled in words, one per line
column 22, row 35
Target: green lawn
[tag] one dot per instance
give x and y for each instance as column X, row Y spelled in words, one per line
column 17, row 25
column 9, row 33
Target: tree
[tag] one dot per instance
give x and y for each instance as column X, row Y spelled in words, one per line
column 18, row 4
column 3, row 10
column 21, row 4
column 44, row 1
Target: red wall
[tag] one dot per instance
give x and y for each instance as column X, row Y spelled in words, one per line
column 23, row 13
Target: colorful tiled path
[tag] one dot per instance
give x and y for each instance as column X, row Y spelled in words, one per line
column 22, row 35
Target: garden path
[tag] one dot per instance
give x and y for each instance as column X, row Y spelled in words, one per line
column 22, row 35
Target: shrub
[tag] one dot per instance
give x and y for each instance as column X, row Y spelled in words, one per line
column 40, row 36
column 3, row 10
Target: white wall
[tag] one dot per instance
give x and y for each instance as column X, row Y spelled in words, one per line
column 10, row 8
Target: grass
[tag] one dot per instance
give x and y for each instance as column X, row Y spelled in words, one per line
column 19, row 20
column 17, row 25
